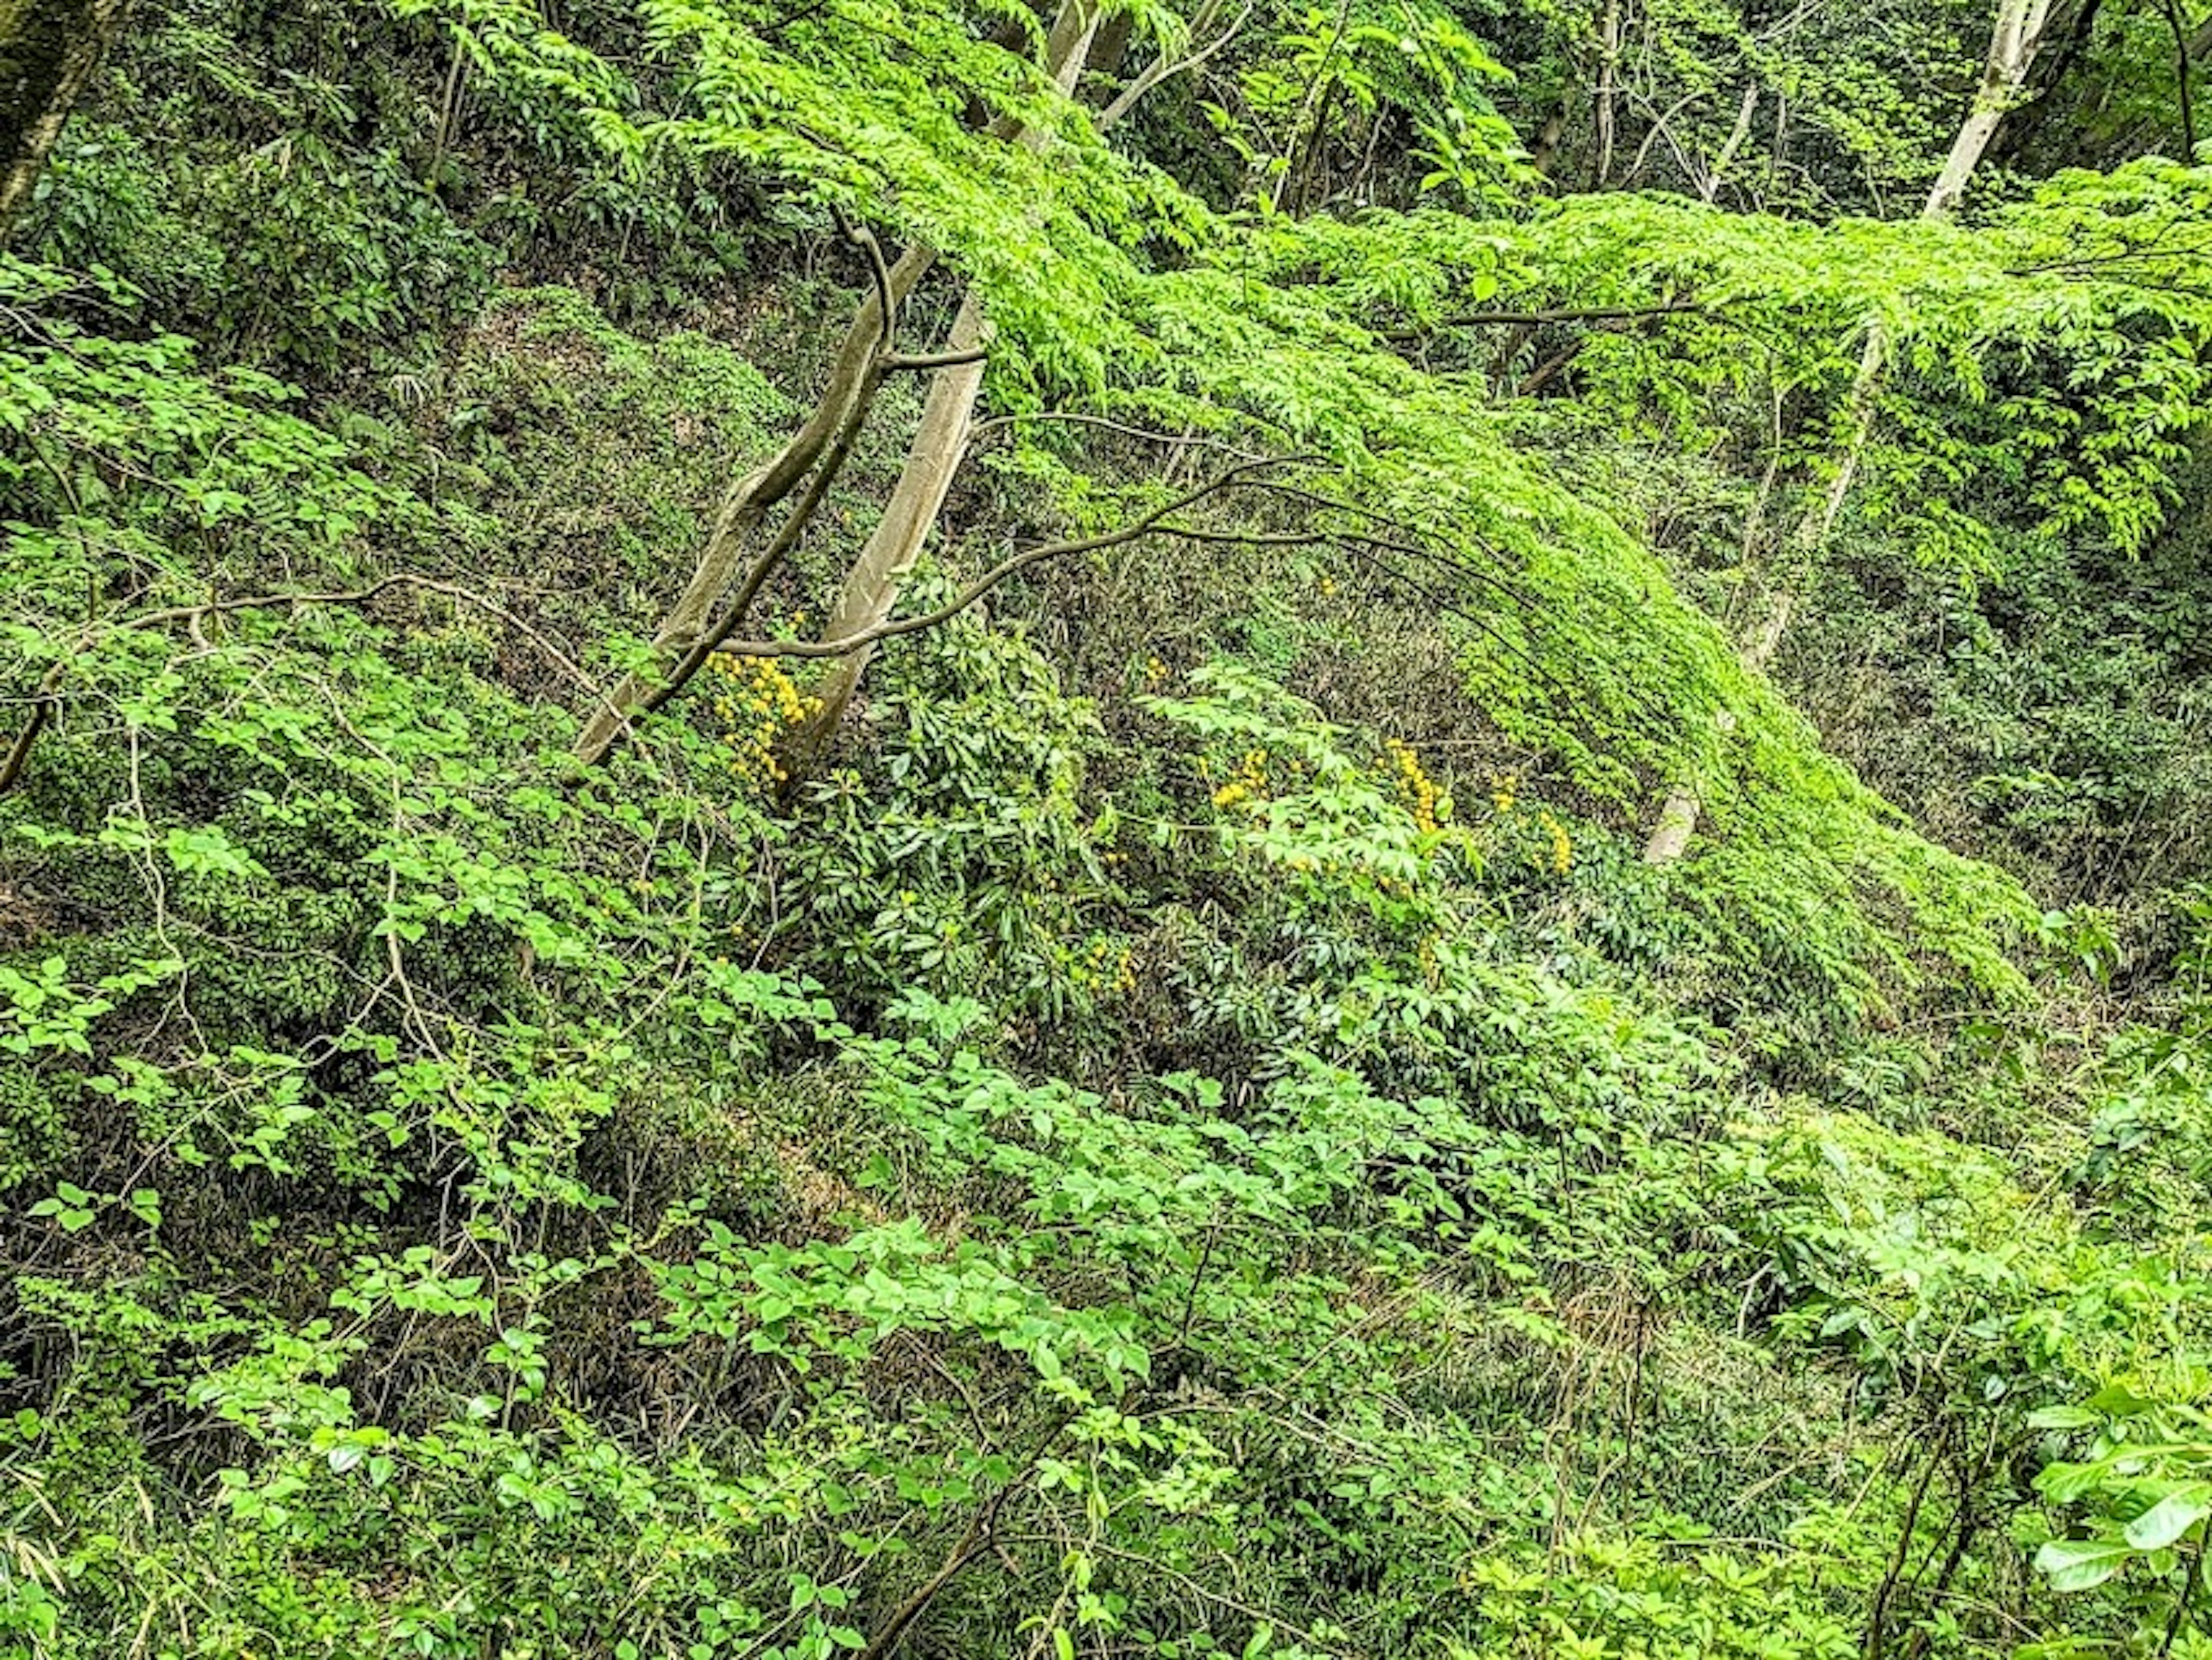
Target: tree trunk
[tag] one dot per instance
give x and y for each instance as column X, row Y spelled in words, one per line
column 48, row 51
column 749, row 502
column 1608, row 72
column 2013, row 43
column 2069, row 31
column 872, row 586
column 2013, row 38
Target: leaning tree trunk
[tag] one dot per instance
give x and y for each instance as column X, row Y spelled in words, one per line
column 748, row 503
column 48, row 51
column 872, row 586
column 2014, row 38
column 921, row 491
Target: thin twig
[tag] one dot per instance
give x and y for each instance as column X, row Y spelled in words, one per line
column 1560, row 314
column 192, row 616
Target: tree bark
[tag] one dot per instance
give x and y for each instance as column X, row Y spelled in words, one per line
column 2013, row 43
column 48, row 52
column 2013, row 38
column 872, row 586
column 748, row 502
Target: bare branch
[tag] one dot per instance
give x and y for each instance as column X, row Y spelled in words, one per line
column 1163, row 68
column 1151, row 524
column 1561, row 315
column 1151, row 435
column 192, row 616
column 923, row 362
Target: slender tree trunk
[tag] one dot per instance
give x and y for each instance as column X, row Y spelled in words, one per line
column 2183, row 78
column 2013, row 43
column 872, row 587
column 449, row 110
column 873, row 584
column 749, row 502
column 1544, row 151
column 1710, row 186
column 1608, row 72
column 2066, row 40
column 1324, row 77
column 48, row 52
column 2013, row 38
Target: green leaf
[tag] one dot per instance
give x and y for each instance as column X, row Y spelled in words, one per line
column 2171, row 1517
column 2063, row 1418
column 2073, row 1564
column 2118, row 1401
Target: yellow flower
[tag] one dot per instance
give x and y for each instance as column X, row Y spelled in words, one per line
column 1562, row 851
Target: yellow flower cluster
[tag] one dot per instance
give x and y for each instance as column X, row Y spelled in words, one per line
column 1102, row 960
column 1155, row 671
column 1562, row 849
column 1431, row 807
column 1503, row 785
column 1249, row 784
column 757, row 702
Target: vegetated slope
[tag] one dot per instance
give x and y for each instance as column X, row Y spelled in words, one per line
column 1197, row 1131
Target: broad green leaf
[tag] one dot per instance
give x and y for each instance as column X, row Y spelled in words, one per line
column 2171, row 1517
column 2073, row 1564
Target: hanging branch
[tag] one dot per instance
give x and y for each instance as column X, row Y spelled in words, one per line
column 718, row 638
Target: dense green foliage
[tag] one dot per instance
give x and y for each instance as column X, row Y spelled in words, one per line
column 1199, row 1130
